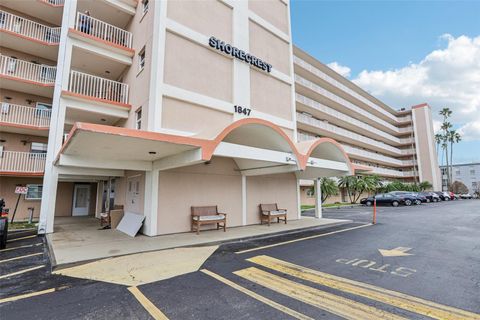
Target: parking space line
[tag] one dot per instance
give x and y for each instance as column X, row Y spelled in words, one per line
column 21, row 247
column 21, row 257
column 338, row 305
column 21, row 271
column 147, row 304
column 302, row 239
column 258, row 297
column 22, row 238
column 27, row 295
column 393, row 298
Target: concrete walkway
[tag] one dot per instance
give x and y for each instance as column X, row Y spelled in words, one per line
column 78, row 239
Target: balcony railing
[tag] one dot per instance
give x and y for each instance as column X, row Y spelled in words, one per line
column 23, row 115
column 54, row 2
column 100, row 88
column 29, row 28
column 22, row 162
column 346, row 89
column 102, row 30
column 25, row 70
column 341, row 116
column 391, row 172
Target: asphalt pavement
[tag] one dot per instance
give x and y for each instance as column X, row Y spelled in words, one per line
column 418, row 262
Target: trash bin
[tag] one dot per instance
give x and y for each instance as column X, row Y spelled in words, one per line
column 3, row 225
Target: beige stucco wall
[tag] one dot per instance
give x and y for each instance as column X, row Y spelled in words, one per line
column 13, row 141
column 26, row 16
column 211, row 18
column 273, row 11
column 214, row 184
column 21, row 98
column 63, row 205
column 196, row 68
column 7, row 191
column 280, row 189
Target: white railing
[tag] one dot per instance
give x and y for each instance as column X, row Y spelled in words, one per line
column 29, row 28
column 24, row 162
column 102, row 30
column 27, row 70
column 17, row 114
column 54, row 2
column 341, row 116
column 391, row 172
column 92, row 86
column 302, row 63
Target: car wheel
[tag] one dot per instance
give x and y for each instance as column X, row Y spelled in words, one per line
column 428, row 200
column 418, row 202
column 408, row 202
column 369, row 203
column 395, row 203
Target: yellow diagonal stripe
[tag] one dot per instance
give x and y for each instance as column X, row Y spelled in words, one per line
column 396, row 299
column 21, row 271
column 258, row 297
column 22, row 238
column 147, row 304
column 334, row 304
column 21, row 257
column 26, row 295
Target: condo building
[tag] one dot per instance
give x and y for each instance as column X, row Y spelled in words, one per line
column 156, row 107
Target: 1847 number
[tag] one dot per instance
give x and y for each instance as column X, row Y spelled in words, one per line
column 242, row 110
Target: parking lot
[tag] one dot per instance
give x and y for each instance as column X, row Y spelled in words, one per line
column 418, row 262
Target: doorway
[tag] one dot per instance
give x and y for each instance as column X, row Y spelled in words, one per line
column 81, row 200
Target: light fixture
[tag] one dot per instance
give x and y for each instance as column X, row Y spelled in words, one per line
column 107, row 72
column 8, row 98
column 152, row 152
column 103, row 120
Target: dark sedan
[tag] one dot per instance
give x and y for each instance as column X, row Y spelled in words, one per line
column 383, row 199
column 408, row 197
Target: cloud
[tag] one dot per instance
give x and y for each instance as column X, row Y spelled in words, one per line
column 449, row 76
column 342, row 70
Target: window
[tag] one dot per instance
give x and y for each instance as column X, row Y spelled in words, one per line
column 141, row 59
column 41, row 109
column 38, row 147
column 34, row 192
column 474, row 185
column 311, row 192
column 138, row 119
column 144, row 6
column 472, row 172
column 457, row 172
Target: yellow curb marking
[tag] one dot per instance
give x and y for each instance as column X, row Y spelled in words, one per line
column 20, row 247
column 396, row 299
column 343, row 307
column 21, row 271
column 147, row 304
column 22, row 238
column 302, row 239
column 21, row 257
column 258, row 297
column 27, row 295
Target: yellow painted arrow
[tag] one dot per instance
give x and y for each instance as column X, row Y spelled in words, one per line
column 397, row 252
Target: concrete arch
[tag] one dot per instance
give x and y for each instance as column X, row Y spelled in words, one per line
column 324, row 148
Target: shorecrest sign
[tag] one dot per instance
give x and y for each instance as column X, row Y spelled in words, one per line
column 239, row 54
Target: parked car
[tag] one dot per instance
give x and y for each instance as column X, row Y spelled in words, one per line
column 408, row 197
column 430, row 196
column 466, row 196
column 421, row 197
column 383, row 199
column 452, row 195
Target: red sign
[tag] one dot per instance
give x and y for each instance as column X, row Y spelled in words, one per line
column 21, row 190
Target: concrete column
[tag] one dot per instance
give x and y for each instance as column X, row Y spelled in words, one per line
column 244, row 200
column 150, row 206
column 57, row 122
column 299, row 204
column 318, row 198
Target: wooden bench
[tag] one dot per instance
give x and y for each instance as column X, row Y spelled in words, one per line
column 207, row 215
column 271, row 210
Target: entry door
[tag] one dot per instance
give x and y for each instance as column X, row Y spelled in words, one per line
column 81, row 200
column 133, row 194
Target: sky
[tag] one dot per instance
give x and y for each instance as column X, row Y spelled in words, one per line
column 404, row 53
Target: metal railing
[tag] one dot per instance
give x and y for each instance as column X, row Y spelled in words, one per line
column 54, row 2
column 23, row 115
column 102, row 30
column 29, row 28
column 24, row 162
column 25, row 70
column 341, row 116
column 92, row 86
column 391, row 172
column 302, row 63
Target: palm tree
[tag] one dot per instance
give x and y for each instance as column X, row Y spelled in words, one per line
column 357, row 185
column 438, row 140
column 453, row 137
column 424, row 185
column 329, row 188
column 446, row 113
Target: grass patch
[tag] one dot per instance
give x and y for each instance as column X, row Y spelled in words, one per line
column 22, row 225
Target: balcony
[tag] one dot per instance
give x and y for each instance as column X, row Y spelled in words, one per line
column 54, row 3
column 23, row 119
column 392, row 173
column 320, row 74
column 22, row 34
column 22, row 163
column 49, row 11
column 102, row 35
column 341, row 134
column 28, row 77
column 333, row 115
